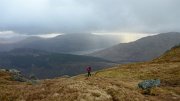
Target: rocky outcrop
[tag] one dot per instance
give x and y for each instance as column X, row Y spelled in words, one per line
column 146, row 84
column 20, row 78
column 14, row 71
column 16, row 75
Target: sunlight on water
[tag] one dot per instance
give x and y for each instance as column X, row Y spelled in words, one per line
column 127, row 37
column 52, row 35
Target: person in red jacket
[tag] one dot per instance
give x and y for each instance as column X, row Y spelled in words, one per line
column 88, row 69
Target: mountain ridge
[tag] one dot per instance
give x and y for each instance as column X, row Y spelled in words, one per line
column 66, row 43
column 143, row 49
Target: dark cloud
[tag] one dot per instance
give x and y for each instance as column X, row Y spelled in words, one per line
column 72, row 16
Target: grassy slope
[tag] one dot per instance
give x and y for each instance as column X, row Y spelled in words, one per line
column 116, row 84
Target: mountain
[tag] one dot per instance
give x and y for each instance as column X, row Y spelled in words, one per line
column 10, row 40
column 66, row 43
column 144, row 49
column 48, row 65
column 23, row 43
column 119, row 83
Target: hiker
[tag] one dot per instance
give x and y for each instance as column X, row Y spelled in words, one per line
column 88, row 69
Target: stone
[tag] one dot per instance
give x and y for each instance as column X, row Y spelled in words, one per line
column 3, row 70
column 19, row 78
column 146, row 84
column 14, row 71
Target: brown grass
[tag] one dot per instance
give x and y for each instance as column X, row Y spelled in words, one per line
column 115, row 84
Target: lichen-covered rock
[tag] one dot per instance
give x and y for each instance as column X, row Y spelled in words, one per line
column 146, row 84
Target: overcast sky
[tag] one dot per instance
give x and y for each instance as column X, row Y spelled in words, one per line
column 90, row 16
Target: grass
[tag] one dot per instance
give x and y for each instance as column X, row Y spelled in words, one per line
column 116, row 84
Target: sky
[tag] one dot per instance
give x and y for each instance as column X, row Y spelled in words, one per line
column 32, row 17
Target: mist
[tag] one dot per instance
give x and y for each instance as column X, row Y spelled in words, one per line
column 87, row 16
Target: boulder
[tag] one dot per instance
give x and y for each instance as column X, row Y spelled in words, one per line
column 146, row 84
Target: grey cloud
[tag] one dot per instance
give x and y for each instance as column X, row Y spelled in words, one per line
column 72, row 16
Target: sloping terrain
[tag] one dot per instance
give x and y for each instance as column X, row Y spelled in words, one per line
column 66, row 43
column 44, row 64
column 172, row 55
column 144, row 49
column 116, row 84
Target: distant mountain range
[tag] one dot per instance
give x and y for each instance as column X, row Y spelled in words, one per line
column 144, row 49
column 47, row 58
column 118, row 83
column 67, row 43
column 48, row 65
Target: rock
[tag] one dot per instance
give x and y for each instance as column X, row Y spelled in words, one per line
column 146, row 84
column 19, row 78
column 3, row 70
column 14, row 71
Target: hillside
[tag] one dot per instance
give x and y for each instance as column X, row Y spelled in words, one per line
column 172, row 55
column 144, row 49
column 48, row 65
column 116, row 84
column 66, row 43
